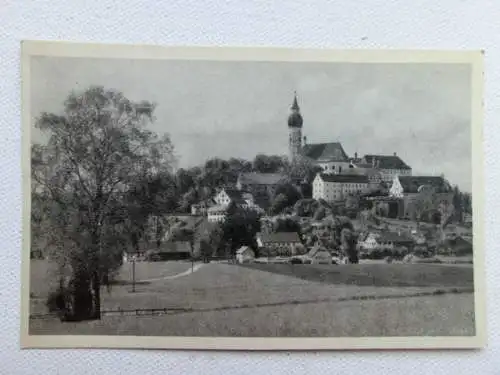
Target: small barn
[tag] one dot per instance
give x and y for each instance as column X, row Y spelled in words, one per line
column 457, row 246
column 170, row 250
column 319, row 255
column 244, row 254
column 280, row 243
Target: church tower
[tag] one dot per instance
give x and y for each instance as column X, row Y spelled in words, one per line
column 294, row 131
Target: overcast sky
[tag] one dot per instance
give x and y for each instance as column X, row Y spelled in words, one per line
column 226, row 109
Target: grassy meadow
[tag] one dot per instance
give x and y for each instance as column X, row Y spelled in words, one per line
column 278, row 300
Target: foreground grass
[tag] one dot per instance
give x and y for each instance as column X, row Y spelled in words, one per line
column 448, row 315
column 377, row 274
column 229, row 300
column 43, row 273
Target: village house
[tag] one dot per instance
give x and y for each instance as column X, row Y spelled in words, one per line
column 217, row 214
column 283, row 243
column 241, row 199
column 201, row 208
column 407, row 190
column 319, row 255
column 260, row 183
column 384, row 241
column 170, row 250
column 226, row 196
column 244, row 254
column 388, row 166
column 333, row 187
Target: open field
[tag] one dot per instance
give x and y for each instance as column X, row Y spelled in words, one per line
column 43, row 272
column 230, row 300
column 398, row 224
column 376, row 274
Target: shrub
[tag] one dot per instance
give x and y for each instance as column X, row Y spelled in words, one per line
column 56, row 301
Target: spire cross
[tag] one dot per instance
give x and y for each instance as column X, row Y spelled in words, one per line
column 295, row 105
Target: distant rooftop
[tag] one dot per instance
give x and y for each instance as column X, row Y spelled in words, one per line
column 254, row 178
column 345, row 178
column 236, row 196
column 325, row 152
column 386, row 161
column 412, row 184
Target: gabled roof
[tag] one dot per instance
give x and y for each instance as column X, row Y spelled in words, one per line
column 345, row 178
column 254, row 178
column 218, row 208
column 411, row 184
column 317, row 249
column 242, row 249
column 325, row 152
column 235, row 195
column 368, row 171
column 279, row 237
column 386, row 161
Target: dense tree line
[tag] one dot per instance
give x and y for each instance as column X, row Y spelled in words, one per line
column 201, row 182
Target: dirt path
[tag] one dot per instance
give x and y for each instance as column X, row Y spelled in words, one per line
column 185, row 273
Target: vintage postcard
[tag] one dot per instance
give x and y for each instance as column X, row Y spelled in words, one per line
column 251, row 198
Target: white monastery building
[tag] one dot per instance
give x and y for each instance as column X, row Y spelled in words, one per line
column 333, row 187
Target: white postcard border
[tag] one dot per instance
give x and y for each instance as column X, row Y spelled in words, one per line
column 80, row 50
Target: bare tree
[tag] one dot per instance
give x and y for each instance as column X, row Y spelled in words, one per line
column 424, row 203
column 96, row 148
column 447, row 213
column 348, row 245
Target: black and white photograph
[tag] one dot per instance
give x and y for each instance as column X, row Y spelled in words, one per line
column 251, row 198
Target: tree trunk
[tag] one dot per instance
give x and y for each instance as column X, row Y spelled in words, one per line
column 135, row 241
column 96, row 286
column 80, row 304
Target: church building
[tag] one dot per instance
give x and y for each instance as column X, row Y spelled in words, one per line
column 329, row 156
column 333, row 159
column 295, row 131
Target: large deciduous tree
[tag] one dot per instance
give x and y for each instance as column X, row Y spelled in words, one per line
column 239, row 228
column 96, row 148
column 147, row 201
column 269, row 164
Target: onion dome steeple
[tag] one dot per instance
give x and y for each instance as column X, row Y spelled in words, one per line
column 295, row 118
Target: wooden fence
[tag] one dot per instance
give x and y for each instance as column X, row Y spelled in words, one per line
column 123, row 312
